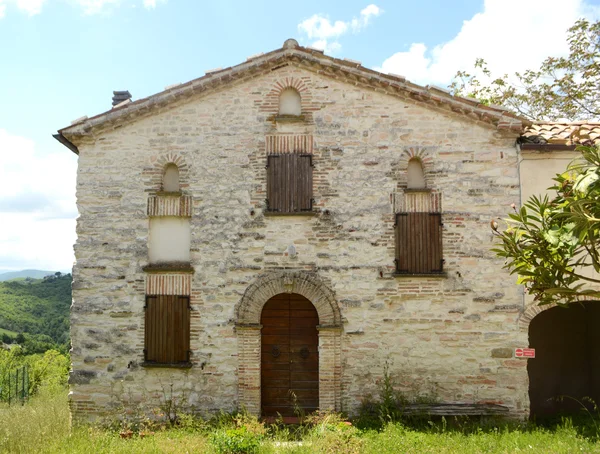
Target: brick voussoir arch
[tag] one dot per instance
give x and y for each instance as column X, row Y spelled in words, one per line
column 303, row 283
column 424, row 154
column 534, row 309
column 248, row 329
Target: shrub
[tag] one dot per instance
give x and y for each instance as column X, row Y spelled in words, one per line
column 235, row 441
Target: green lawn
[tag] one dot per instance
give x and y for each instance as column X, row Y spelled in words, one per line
column 6, row 331
column 42, row 425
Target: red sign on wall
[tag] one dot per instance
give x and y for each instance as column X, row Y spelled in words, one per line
column 524, row 352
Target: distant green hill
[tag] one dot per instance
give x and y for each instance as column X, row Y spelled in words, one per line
column 35, row 274
column 37, row 306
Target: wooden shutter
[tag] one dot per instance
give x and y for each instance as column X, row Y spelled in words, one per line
column 167, row 329
column 289, row 182
column 419, row 243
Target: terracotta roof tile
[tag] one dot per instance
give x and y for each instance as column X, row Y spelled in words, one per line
column 559, row 133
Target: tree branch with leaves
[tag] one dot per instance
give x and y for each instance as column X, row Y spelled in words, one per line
column 552, row 244
column 565, row 88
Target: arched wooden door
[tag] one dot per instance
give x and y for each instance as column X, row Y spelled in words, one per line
column 289, row 356
column 564, row 376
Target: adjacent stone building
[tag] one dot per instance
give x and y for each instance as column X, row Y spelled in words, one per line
column 276, row 232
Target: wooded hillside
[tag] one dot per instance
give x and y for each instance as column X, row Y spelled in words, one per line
column 37, row 307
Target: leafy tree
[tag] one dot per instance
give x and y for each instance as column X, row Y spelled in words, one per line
column 562, row 88
column 552, row 244
column 38, row 307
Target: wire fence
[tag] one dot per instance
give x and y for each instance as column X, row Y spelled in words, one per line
column 14, row 386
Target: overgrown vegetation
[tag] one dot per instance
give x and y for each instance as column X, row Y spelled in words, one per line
column 38, row 310
column 42, row 425
column 48, row 371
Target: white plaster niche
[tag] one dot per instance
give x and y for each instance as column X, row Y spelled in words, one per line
column 169, row 239
column 415, row 175
column 290, row 102
column 171, row 178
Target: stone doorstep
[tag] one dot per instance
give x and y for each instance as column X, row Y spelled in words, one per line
column 283, row 419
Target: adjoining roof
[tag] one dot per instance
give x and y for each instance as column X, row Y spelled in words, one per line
column 560, row 135
column 311, row 59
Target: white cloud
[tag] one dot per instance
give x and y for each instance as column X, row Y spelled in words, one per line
column 321, row 27
column 151, row 4
column 511, row 35
column 31, row 7
column 328, row 47
column 37, row 207
column 325, row 32
column 365, row 17
column 90, row 7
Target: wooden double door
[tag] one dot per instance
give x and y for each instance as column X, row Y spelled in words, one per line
column 289, row 356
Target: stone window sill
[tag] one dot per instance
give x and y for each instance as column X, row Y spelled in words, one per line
column 184, row 365
column 441, row 275
column 169, row 194
column 417, row 190
column 169, row 267
column 295, row 213
column 289, row 118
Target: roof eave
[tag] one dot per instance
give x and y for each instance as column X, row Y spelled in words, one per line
column 66, row 142
column 503, row 119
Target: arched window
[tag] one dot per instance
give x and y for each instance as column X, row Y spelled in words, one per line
column 415, row 175
column 171, row 178
column 289, row 102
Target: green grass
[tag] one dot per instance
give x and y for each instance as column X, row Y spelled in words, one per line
column 6, row 331
column 42, row 425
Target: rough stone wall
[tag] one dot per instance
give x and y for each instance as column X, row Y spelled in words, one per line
column 447, row 336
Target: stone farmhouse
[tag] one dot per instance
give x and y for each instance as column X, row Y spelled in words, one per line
column 271, row 235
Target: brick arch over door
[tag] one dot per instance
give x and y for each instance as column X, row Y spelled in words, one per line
column 534, row 309
column 248, row 329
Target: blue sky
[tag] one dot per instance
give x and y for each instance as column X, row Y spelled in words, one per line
column 61, row 59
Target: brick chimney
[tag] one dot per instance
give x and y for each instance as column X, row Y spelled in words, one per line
column 120, row 96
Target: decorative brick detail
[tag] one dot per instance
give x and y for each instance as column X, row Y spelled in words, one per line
column 530, row 313
column 249, row 368
column 248, row 330
column 169, row 284
column 417, row 202
column 425, row 155
column 270, row 103
column 304, row 283
column 157, row 169
column 329, row 368
column 289, row 143
column 159, row 205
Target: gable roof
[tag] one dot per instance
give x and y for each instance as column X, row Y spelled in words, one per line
column 557, row 135
column 311, row 59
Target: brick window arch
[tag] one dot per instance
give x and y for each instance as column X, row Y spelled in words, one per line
column 290, row 102
column 171, row 178
column 415, row 176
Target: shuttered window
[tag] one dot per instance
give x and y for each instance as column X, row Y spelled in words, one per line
column 167, row 329
column 289, row 183
column 419, row 243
